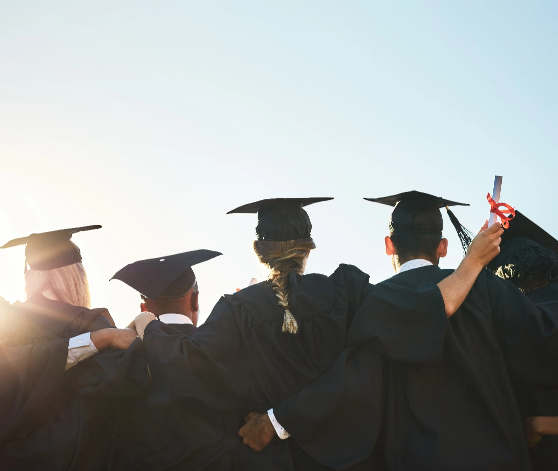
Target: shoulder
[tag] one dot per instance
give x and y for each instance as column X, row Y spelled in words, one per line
column 350, row 271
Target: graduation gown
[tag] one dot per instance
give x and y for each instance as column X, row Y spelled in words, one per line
column 52, row 419
column 239, row 360
column 458, row 415
column 540, row 396
column 183, row 435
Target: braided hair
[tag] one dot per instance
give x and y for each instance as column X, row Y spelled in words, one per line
column 285, row 259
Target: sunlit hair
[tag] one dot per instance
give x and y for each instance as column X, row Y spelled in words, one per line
column 68, row 283
column 285, row 259
column 529, row 268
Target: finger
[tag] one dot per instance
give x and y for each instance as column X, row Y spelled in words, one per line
column 241, row 431
column 484, row 226
column 495, row 227
column 250, row 416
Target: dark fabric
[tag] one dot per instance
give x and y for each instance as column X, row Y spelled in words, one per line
column 187, row 329
column 338, row 419
column 458, row 415
column 184, row 435
column 51, row 419
column 542, row 399
column 462, row 415
column 240, row 361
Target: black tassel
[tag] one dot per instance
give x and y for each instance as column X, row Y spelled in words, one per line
column 465, row 235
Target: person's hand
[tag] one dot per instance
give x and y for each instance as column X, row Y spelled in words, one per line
column 532, row 434
column 486, row 244
column 117, row 339
column 121, row 339
column 141, row 321
column 258, row 431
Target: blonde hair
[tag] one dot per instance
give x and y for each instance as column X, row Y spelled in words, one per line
column 285, row 259
column 68, row 283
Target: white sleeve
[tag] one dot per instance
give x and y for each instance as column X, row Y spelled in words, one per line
column 79, row 349
column 281, row 432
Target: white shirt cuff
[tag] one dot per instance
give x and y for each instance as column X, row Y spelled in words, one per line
column 281, row 432
column 79, row 349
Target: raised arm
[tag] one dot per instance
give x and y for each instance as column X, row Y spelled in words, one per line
column 485, row 246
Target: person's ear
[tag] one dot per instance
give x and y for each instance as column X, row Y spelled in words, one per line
column 143, row 307
column 390, row 248
column 442, row 248
column 194, row 303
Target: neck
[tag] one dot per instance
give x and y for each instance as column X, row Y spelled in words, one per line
column 50, row 294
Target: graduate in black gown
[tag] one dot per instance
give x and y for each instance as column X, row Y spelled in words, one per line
column 161, row 436
column 529, row 260
column 266, row 342
column 458, row 415
column 55, row 415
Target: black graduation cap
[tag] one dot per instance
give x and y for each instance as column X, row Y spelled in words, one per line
column 526, row 250
column 50, row 250
column 524, row 233
column 168, row 277
column 419, row 213
column 281, row 218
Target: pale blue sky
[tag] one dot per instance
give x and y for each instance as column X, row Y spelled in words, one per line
column 156, row 118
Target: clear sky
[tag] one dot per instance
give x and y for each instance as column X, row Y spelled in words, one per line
column 156, row 118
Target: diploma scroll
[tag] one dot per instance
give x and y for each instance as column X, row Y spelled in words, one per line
column 496, row 197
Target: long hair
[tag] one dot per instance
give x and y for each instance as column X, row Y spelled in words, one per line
column 286, row 259
column 68, row 283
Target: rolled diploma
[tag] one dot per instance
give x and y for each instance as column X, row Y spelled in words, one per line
column 496, row 197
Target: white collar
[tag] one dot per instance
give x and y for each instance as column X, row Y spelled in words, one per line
column 416, row 263
column 175, row 319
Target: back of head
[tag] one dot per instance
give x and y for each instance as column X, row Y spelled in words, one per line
column 286, row 259
column 283, row 244
column 526, row 264
column 416, row 229
column 186, row 304
column 69, row 284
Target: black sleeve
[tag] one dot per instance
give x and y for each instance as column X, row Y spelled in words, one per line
column 212, row 365
column 528, row 334
column 337, row 419
column 112, row 373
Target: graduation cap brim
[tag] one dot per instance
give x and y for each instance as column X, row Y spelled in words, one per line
column 416, row 214
column 153, row 276
column 257, row 205
column 522, row 226
column 58, row 234
column 50, row 250
column 415, row 195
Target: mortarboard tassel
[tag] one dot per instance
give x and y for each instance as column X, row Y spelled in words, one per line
column 465, row 235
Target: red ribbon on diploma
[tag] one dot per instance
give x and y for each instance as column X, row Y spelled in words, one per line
column 495, row 208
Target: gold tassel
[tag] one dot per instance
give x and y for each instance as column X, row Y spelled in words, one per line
column 289, row 324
